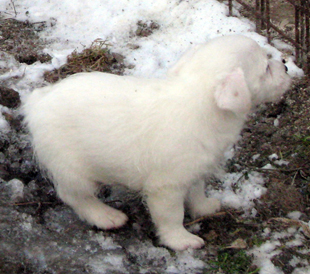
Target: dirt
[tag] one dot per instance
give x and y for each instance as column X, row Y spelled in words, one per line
column 9, row 97
column 282, row 128
column 288, row 138
column 21, row 40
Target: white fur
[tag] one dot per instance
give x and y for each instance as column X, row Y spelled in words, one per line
column 157, row 136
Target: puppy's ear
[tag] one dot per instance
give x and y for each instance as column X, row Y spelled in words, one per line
column 232, row 93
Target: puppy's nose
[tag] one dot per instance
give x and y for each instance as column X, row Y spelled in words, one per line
column 284, row 61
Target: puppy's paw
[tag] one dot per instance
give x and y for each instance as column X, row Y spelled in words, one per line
column 181, row 239
column 114, row 219
column 207, row 207
column 105, row 217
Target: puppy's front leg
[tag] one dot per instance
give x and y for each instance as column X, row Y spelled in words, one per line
column 166, row 205
column 199, row 205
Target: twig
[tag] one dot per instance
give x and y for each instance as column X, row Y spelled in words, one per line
column 218, row 214
column 29, row 203
column 14, row 7
column 293, row 181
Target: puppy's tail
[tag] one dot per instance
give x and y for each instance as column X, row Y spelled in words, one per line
column 34, row 98
column 32, row 102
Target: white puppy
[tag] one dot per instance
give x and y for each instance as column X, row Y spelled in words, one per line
column 156, row 136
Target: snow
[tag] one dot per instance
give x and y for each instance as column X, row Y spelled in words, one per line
column 4, row 125
column 275, row 159
column 268, row 166
column 107, row 263
column 276, row 122
column 17, row 189
column 239, row 192
column 295, row 215
column 264, row 253
column 106, row 243
column 75, row 24
column 291, row 238
column 303, row 270
column 182, row 262
column 255, row 157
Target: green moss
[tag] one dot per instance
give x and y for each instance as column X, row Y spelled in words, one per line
column 232, row 262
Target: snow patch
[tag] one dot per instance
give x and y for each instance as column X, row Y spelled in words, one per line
column 239, row 192
column 106, row 243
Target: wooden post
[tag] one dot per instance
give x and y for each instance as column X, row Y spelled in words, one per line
column 268, row 21
column 257, row 19
column 230, row 7
column 263, row 11
column 297, row 15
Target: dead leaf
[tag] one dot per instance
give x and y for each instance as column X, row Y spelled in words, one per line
column 238, row 244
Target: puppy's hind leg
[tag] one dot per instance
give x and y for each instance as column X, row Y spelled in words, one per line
column 199, row 205
column 80, row 195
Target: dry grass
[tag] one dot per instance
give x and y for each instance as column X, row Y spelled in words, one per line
column 97, row 57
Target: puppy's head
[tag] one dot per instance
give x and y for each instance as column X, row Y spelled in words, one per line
column 236, row 71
